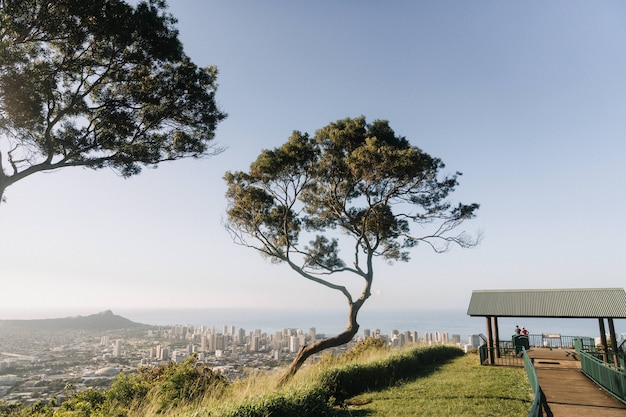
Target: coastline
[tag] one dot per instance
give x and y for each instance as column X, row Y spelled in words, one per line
column 329, row 322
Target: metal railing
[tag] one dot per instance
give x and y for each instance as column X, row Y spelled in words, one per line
column 506, row 351
column 503, row 355
column 508, row 356
column 604, row 374
column 552, row 341
column 588, row 346
column 539, row 400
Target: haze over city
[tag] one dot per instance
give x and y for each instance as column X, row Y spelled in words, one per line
column 525, row 99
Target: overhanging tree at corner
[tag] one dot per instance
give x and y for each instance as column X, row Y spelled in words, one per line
column 98, row 83
column 353, row 186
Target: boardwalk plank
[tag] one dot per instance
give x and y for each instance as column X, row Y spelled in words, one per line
column 568, row 391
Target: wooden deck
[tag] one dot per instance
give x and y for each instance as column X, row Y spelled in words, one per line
column 569, row 393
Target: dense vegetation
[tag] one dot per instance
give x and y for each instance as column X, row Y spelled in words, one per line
column 99, row 84
column 353, row 384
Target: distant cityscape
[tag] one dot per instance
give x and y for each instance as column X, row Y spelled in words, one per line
column 42, row 364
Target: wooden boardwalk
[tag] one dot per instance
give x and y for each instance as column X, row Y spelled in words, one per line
column 569, row 393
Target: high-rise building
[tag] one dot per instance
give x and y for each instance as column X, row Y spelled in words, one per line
column 294, row 344
column 211, row 342
column 117, row 348
column 277, row 341
column 474, row 340
column 241, row 336
column 220, row 343
column 255, row 342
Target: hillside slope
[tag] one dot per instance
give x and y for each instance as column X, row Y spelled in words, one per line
column 105, row 320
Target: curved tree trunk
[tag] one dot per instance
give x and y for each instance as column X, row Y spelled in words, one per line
column 308, row 350
column 3, row 181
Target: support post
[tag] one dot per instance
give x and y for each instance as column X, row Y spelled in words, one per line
column 613, row 341
column 492, row 360
column 496, row 333
column 605, row 347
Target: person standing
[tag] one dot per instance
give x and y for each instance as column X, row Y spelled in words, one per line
column 517, row 330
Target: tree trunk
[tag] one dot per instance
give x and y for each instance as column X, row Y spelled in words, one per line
column 3, row 181
column 308, row 350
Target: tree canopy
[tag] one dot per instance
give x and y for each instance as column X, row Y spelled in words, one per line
column 353, row 187
column 98, row 83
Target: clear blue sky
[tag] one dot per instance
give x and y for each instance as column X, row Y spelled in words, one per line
column 527, row 99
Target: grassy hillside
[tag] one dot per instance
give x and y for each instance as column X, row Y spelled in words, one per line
column 369, row 380
column 459, row 388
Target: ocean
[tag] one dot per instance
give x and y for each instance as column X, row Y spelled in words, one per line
column 331, row 322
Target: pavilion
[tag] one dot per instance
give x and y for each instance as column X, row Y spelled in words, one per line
column 595, row 303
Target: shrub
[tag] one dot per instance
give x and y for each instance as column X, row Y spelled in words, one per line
column 366, row 347
column 167, row 386
column 354, row 379
column 188, row 382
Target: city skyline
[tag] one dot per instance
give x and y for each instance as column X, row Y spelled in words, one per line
column 525, row 100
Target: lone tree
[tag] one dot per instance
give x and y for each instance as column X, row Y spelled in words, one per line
column 98, row 83
column 353, row 186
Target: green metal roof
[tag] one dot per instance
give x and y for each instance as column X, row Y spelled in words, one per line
column 561, row 303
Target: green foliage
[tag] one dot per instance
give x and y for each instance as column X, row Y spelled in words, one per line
column 310, row 403
column 98, row 83
column 365, row 347
column 167, row 386
column 127, row 390
column 38, row 409
column 157, row 389
column 355, row 176
column 187, row 382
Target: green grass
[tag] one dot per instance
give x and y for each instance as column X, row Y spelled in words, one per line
column 459, row 388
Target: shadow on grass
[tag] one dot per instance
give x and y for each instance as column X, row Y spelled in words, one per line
column 353, row 413
column 488, row 397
